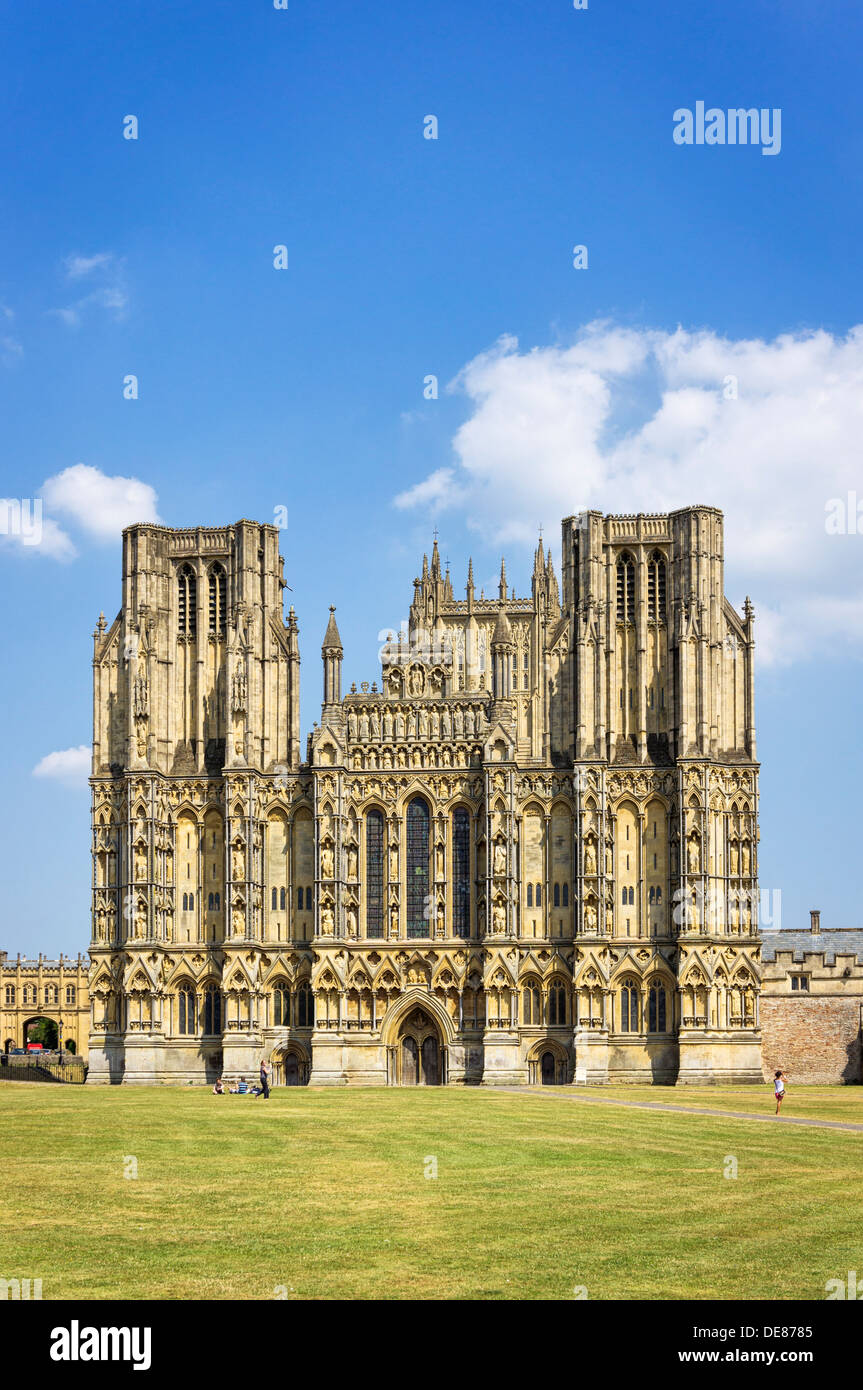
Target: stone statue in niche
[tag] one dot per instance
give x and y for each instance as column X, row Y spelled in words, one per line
column 141, row 737
column 353, row 861
column 499, row 861
column 388, row 758
column 238, row 862
column 733, row 858
column 498, row 917
column 423, row 723
column 440, row 921
column 238, row 920
column 400, row 724
column 745, row 856
column 352, row 726
column 590, row 918
column 374, row 724
column 693, row 855
column 609, row 920
column 416, row 681
column 327, row 920
column 590, row 858
column 352, row 921
column 169, row 925
column 439, row 860
column 388, row 726
column 401, row 759
column 364, row 727
column 434, row 725
column 394, row 920
column 469, row 723
column 140, row 862
column 327, row 861
column 140, row 921
column 394, row 862
column 100, row 926
column 446, row 724
column 458, row 722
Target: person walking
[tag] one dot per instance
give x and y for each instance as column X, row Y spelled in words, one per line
column 779, row 1088
column 265, row 1084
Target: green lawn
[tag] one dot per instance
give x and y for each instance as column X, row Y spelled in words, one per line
column 323, row 1192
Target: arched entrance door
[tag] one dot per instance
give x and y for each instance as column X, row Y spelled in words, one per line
column 547, row 1068
column 419, row 1051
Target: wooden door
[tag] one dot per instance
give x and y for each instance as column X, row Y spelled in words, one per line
column 292, row 1070
column 547, row 1069
column 430, row 1062
column 410, row 1062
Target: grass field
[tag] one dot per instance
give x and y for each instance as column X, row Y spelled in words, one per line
column 323, row 1193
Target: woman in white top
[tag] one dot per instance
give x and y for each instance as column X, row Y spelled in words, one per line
column 779, row 1088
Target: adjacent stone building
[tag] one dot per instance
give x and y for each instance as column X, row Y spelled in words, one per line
column 528, row 855
column 33, row 990
column 812, row 1003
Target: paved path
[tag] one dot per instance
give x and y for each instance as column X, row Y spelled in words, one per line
column 561, row 1093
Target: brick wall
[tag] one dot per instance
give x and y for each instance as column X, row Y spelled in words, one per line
column 812, row 1038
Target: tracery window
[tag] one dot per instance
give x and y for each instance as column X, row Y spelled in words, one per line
column 656, row 1008
column 305, row 1014
column 281, row 1007
column 531, row 1003
column 70, row 994
column 556, row 1004
column 212, row 1010
column 656, row 587
column 217, row 600
column 461, row 871
column 186, row 1012
column 629, row 1007
column 626, row 589
column 417, row 868
column 187, row 600
column 538, row 895
column 374, row 873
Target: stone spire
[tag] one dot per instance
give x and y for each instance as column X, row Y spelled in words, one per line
column 502, row 590
column 331, row 652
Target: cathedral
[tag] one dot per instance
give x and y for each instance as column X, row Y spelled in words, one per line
column 525, row 853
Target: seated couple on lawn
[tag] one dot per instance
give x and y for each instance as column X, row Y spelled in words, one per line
column 242, row 1088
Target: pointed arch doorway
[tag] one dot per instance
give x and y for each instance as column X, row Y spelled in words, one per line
column 419, row 1051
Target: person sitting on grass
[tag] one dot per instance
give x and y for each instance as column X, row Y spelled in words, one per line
column 779, row 1088
column 242, row 1087
column 219, row 1088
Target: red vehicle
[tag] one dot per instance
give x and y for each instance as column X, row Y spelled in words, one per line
column 34, row 1047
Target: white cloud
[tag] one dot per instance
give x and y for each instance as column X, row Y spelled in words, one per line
column 110, row 294
column 71, row 765
column 78, row 266
column 11, row 350
column 638, row 420
column 437, row 490
column 23, row 527
column 103, row 505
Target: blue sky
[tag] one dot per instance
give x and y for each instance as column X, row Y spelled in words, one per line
column 559, row 388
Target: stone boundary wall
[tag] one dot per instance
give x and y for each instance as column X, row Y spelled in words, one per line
column 815, row 1038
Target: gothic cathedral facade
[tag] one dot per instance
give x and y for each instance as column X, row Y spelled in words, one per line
column 529, row 856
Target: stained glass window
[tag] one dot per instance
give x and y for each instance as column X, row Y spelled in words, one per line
column 418, row 868
column 461, row 871
column 374, row 874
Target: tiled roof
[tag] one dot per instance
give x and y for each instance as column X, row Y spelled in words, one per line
column 841, row 940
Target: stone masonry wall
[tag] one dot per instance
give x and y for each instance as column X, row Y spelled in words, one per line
column 813, row 1038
